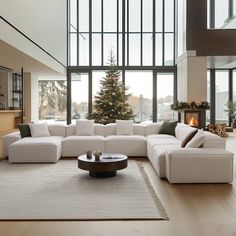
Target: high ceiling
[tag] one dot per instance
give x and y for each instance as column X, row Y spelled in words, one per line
column 14, row 59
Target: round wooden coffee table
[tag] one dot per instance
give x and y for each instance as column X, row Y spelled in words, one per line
column 107, row 166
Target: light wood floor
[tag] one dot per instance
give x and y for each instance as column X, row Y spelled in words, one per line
column 194, row 209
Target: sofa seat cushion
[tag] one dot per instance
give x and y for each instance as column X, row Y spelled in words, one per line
column 122, row 138
column 130, row 145
column 40, row 149
column 73, row 146
column 160, row 139
column 163, row 140
column 40, row 141
column 84, row 138
column 158, row 157
column 161, row 136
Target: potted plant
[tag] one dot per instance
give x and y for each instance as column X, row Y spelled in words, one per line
column 231, row 110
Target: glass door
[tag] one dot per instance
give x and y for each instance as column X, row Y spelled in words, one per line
column 165, row 97
column 79, row 96
column 140, row 88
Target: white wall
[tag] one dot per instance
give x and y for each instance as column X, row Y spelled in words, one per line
column 44, row 21
column 27, row 97
column 34, row 98
column 192, row 77
column 4, row 88
column 30, row 97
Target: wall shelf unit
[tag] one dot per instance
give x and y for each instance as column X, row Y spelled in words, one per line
column 17, row 94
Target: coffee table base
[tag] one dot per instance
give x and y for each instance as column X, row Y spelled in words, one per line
column 106, row 174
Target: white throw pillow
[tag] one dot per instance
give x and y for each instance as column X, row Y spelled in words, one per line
column 39, row 130
column 84, row 127
column 197, row 140
column 124, row 127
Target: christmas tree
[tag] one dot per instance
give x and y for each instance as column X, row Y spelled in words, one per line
column 111, row 102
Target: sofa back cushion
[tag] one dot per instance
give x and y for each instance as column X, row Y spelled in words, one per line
column 152, row 128
column 138, row 129
column 84, row 127
column 182, row 131
column 213, row 141
column 110, row 129
column 70, row 130
column 124, row 127
column 57, row 129
column 99, row 129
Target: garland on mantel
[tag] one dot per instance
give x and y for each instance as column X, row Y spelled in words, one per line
column 181, row 106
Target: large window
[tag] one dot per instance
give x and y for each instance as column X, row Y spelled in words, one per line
column 208, row 118
column 181, row 27
column 165, row 96
column 140, row 88
column 133, row 29
column 222, row 96
column 79, row 96
column 52, row 100
column 222, row 87
column 221, row 14
column 141, row 34
column 97, row 77
column 234, row 85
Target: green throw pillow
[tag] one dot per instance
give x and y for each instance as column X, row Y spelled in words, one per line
column 24, row 130
column 168, row 128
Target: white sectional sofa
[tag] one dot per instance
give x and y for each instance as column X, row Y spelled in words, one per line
column 210, row 163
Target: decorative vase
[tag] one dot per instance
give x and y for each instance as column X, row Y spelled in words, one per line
column 89, row 154
column 97, row 155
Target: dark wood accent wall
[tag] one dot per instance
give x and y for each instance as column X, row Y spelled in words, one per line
column 196, row 26
column 207, row 42
column 221, row 42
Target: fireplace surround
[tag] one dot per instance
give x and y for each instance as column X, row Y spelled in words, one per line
column 193, row 117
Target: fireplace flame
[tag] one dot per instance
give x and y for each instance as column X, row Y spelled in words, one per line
column 193, row 122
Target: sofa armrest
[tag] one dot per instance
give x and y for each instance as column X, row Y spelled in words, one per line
column 8, row 140
column 190, row 152
column 201, row 165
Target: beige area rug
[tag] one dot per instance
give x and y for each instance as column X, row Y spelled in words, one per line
column 61, row 191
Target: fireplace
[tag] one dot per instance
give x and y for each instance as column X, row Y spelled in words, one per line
column 194, row 118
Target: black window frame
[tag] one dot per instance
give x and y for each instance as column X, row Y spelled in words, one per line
column 125, row 54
